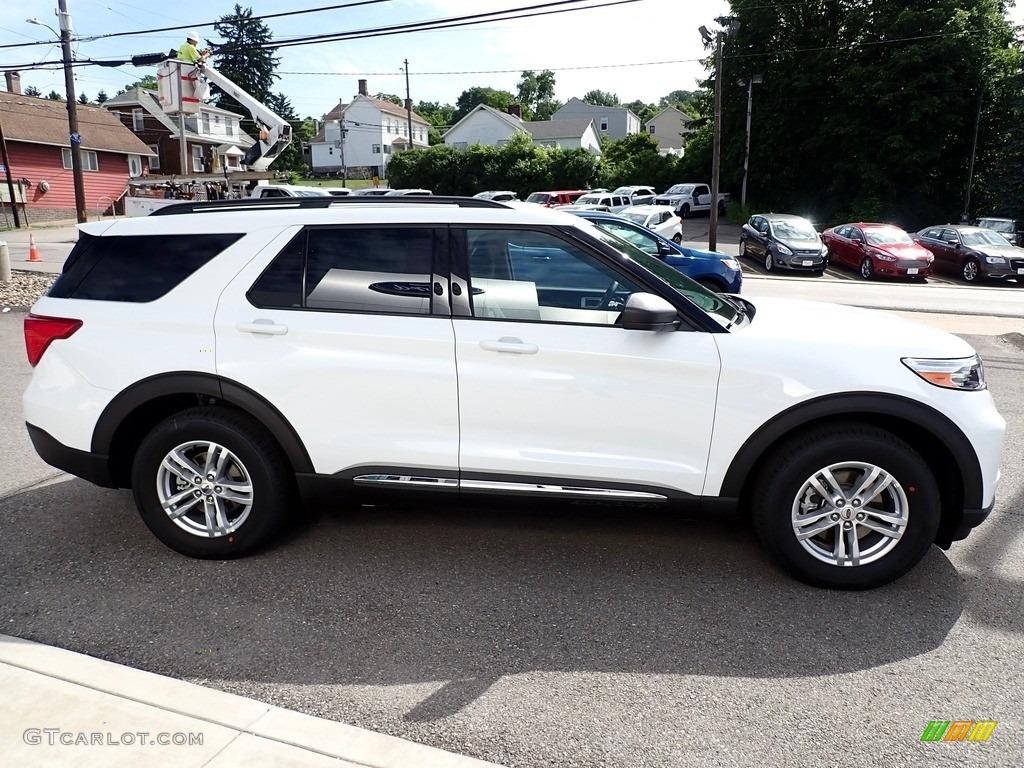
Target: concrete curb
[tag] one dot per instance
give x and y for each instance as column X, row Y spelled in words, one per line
column 64, row 708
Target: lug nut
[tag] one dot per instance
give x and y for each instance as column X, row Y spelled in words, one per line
column 197, row 493
column 217, row 489
column 834, row 515
column 860, row 515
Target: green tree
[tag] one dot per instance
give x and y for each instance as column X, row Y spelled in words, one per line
column 601, row 98
column 877, row 122
column 33, row 91
column 390, row 97
column 440, row 116
column 536, row 94
column 102, row 97
column 148, row 82
column 246, row 58
column 302, row 131
column 54, row 96
column 83, row 99
column 644, row 111
column 470, row 98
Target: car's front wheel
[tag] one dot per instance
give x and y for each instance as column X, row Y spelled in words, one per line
column 970, row 270
column 769, row 261
column 677, row 238
column 866, row 270
column 846, row 507
column 211, row 483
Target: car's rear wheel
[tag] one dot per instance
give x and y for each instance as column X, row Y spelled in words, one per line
column 866, row 270
column 721, row 209
column 677, row 238
column 846, row 507
column 970, row 270
column 211, row 483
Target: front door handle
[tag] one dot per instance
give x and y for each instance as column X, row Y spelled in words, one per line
column 511, row 345
column 263, row 326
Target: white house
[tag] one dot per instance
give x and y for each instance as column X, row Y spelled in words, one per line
column 611, row 122
column 671, row 128
column 363, row 134
column 486, row 125
column 214, row 137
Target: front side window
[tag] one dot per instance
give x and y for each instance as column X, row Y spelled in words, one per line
column 352, row 269
column 526, row 275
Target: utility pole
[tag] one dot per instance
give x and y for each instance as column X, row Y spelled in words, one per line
column 10, row 180
column 716, row 143
column 344, row 167
column 408, row 103
column 751, row 82
column 965, row 217
column 75, row 136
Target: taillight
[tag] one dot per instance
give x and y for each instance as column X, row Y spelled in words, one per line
column 40, row 331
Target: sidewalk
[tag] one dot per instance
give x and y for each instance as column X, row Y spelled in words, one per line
column 61, row 708
column 54, row 241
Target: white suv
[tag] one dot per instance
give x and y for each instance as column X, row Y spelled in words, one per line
column 223, row 359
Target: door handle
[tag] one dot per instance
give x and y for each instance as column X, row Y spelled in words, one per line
column 511, row 345
column 263, row 326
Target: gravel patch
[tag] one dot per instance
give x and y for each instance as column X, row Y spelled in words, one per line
column 23, row 289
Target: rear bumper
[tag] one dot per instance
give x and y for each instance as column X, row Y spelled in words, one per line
column 93, row 467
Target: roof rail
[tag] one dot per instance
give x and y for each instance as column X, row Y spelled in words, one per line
column 295, row 203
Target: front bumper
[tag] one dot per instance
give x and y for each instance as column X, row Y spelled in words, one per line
column 970, row 520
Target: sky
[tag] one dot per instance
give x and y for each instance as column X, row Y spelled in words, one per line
column 642, row 49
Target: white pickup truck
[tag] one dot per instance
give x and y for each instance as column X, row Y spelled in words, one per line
column 689, row 198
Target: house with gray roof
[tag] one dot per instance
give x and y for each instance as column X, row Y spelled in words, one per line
column 489, row 126
column 611, row 122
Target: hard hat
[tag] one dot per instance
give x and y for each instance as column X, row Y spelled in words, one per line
column 193, row 36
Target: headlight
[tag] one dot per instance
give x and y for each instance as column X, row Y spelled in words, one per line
column 783, row 249
column 951, row 373
column 995, row 260
column 731, row 264
column 885, row 256
column 824, row 250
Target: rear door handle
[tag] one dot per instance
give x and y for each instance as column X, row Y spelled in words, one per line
column 263, row 326
column 511, row 345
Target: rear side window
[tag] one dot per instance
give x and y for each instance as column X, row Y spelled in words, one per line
column 137, row 268
column 354, row 269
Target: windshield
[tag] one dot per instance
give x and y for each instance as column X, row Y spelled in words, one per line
column 888, row 236
column 680, row 189
column 794, row 229
column 538, row 197
column 723, row 311
column 589, row 200
column 982, row 237
column 623, row 191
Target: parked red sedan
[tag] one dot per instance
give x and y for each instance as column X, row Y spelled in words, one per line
column 877, row 250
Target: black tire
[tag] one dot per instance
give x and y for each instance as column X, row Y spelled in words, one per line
column 769, row 261
column 251, row 460
column 866, row 270
column 970, row 270
column 743, row 249
column 684, row 210
column 721, row 209
column 848, row 451
column 677, row 238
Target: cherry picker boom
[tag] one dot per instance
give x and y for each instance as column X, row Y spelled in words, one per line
column 183, row 86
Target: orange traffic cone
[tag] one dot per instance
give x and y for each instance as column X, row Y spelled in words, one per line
column 33, row 252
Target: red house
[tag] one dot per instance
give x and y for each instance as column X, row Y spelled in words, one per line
column 39, row 154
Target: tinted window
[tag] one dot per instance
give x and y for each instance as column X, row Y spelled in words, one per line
column 369, row 270
column 136, row 268
column 524, row 275
column 281, row 283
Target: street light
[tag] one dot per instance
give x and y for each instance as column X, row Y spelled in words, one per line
column 72, row 105
column 731, row 25
column 750, row 83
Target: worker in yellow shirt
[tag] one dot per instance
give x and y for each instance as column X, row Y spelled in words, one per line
column 188, row 51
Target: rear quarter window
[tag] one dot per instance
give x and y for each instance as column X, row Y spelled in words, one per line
column 135, row 269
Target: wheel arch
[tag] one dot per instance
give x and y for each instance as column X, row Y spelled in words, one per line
column 135, row 411
column 942, row 445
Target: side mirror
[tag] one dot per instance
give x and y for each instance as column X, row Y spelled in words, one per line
column 663, row 249
column 647, row 312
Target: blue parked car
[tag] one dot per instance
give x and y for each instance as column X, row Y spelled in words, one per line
column 714, row 270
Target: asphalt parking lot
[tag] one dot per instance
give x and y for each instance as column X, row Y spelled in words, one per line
column 534, row 640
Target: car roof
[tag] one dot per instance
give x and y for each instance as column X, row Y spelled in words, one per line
column 647, row 208
column 782, row 216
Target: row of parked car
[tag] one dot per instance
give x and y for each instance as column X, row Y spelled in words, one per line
column 786, row 241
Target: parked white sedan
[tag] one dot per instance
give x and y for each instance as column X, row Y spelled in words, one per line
column 661, row 218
